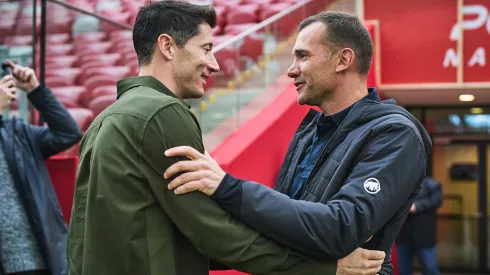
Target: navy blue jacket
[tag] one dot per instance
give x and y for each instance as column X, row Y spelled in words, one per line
column 26, row 146
column 362, row 185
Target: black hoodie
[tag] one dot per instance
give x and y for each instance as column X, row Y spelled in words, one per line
column 362, row 185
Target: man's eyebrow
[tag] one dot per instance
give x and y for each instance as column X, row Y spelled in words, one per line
column 298, row 52
column 210, row 44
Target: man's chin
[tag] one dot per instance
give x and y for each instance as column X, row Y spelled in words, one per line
column 302, row 100
column 196, row 94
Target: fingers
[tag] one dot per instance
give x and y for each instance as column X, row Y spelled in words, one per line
column 11, row 93
column 189, row 187
column 183, row 166
column 7, row 78
column 15, row 69
column 373, row 254
column 12, row 64
column 10, row 83
column 23, row 74
column 371, row 271
column 183, row 151
column 373, row 263
column 28, row 74
column 13, row 97
column 186, row 178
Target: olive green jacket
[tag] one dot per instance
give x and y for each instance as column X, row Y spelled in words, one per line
column 125, row 220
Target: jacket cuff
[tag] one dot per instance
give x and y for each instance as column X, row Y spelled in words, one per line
column 37, row 94
column 229, row 194
column 225, row 188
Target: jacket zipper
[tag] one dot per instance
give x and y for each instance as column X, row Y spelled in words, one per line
column 319, row 157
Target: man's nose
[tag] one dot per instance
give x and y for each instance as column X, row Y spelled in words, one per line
column 293, row 70
column 213, row 64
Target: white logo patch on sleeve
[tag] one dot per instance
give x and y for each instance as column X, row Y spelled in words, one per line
column 372, row 186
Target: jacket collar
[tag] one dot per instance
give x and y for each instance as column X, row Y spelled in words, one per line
column 125, row 84
column 340, row 116
column 313, row 114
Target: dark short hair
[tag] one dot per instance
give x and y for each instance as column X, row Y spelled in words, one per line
column 345, row 30
column 179, row 19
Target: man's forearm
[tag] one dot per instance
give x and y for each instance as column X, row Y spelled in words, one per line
column 62, row 131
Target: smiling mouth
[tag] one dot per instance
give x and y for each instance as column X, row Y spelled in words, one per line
column 299, row 85
column 204, row 78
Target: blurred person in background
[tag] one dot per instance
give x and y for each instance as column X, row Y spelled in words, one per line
column 418, row 234
column 32, row 228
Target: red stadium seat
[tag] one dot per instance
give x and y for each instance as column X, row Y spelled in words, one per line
column 120, row 17
column 217, row 30
column 125, row 49
column 118, row 36
column 220, row 16
column 60, row 38
column 59, row 49
column 82, row 116
column 210, row 82
column 67, row 101
column 24, row 26
column 94, row 47
column 18, row 40
column 228, row 57
column 75, row 93
column 260, row 2
column 235, row 29
column 117, row 72
column 252, row 47
column 104, row 91
column 62, row 61
column 243, row 14
column 100, row 60
column 228, row 61
column 285, row 25
column 6, row 28
column 92, row 83
column 56, row 81
column 97, row 105
column 90, row 37
column 72, row 75
column 229, row 4
column 58, row 24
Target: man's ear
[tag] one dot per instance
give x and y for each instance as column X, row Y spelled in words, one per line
column 166, row 46
column 345, row 59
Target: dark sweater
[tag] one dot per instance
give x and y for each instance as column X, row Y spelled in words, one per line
column 19, row 251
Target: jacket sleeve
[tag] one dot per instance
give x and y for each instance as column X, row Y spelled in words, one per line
column 62, row 131
column 433, row 201
column 387, row 266
column 394, row 157
column 213, row 231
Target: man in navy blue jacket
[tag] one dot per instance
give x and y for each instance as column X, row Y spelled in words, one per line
column 32, row 228
column 351, row 172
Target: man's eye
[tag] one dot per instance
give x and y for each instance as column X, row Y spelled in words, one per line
column 207, row 50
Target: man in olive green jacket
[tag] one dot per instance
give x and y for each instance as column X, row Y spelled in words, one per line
column 124, row 219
